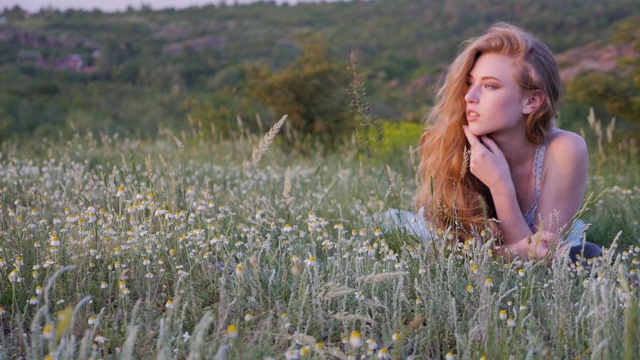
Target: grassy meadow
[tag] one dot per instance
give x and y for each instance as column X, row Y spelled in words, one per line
column 114, row 248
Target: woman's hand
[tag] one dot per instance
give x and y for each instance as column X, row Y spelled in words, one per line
column 537, row 246
column 487, row 162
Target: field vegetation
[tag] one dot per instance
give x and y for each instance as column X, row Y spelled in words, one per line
column 153, row 205
column 183, row 248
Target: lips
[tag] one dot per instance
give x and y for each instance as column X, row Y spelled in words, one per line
column 472, row 115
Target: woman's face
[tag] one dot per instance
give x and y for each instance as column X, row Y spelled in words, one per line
column 495, row 102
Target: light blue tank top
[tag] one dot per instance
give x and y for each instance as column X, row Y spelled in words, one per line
column 538, row 164
column 576, row 234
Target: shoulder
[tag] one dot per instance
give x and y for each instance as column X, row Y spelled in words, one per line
column 567, row 145
column 567, row 155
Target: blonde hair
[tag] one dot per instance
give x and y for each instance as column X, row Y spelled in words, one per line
column 451, row 196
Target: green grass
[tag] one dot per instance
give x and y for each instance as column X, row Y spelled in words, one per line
column 160, row 250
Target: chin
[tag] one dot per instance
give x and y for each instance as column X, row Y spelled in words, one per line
column 476, row 131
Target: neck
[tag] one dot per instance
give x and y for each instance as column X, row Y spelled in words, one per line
column 515, row 146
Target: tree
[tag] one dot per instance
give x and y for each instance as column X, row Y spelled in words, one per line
column 310, row 90
column 617, row 92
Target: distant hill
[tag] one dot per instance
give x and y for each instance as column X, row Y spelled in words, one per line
column 132, row 72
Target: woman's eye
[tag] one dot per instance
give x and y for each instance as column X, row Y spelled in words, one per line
column 489, row 86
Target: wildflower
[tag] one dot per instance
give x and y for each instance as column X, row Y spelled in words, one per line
column 3, row 263
column 449, row 356
column 121, row 284
column 103, row 285
column 359, row 296
column 19, row 261
column 232, row 331
column 383, row 353
column 186, row 336
column 488, row 283
column 100, row 339
column 511, row 322
column 120, row 192
column 33, row 301
column 503, row 314
column 338, row 226
column 319, row 346
column 169, row 304
column 239, row 269
column 291, row 354
column 287, row 228
column 146, row 262
column 474, row 268
column 311, row 261
column 2, row 311
column 371, row 344
column 47, row 332
column 377, row 232
column 54, row 240
column 295, row 258
column 149, row 275
column 521, row 272
column 248, row 316
column 283, row 316
column 355, row 339
column 126, row 291
column 396, row 337
column 38, row 290
column 469, row 289
column 306, row 350
column 92, row 320
column 418, row 301
column 14, row 276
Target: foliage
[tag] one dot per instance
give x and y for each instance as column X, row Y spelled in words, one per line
column 162, row 59
column 607, row 90
column 308, row 90
column 120, row 248
column 618, row 92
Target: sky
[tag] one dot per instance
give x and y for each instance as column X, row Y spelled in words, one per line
column 121, row 5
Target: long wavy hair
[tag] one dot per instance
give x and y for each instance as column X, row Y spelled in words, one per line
column 452, row 197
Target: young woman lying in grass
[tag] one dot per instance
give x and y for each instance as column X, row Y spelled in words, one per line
column 491, row 154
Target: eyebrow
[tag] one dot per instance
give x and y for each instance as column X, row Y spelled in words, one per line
column 486, row 78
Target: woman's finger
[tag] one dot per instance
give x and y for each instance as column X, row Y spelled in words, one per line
column 472, row 139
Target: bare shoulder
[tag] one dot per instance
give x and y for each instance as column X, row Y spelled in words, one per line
column 566, row 145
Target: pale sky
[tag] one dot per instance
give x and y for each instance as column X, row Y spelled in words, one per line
column 121, row 5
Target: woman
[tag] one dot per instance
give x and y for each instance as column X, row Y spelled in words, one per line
column 491, row 154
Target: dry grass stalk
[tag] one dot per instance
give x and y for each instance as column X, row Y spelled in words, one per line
column 376, row 278
column 266, row 141
column 286, row 193
column 304, row 338
column 353, row 317
column 332, row 290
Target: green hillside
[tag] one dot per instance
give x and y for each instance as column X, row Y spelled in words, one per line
column 139, row 71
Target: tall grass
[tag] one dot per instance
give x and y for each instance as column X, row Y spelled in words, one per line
column 113, row 248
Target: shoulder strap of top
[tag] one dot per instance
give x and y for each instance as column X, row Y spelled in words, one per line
column 537, row 167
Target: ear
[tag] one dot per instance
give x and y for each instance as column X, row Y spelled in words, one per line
column 532, row 100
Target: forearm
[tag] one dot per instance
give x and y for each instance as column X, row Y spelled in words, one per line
column 513, row 226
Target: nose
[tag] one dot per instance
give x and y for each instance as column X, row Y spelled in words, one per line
column 471, row 96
